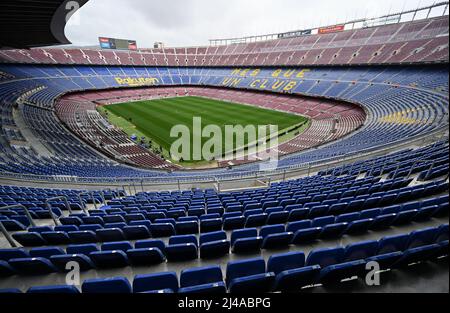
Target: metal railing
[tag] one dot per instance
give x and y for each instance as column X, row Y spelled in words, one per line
column 49, row 206
column 3, row 228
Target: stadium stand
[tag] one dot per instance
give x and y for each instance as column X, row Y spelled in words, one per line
column 367, row 181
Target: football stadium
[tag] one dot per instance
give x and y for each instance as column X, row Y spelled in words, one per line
column 307, row 161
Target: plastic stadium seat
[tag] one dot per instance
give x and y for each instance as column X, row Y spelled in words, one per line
column 109, row 259
column 281, row 262
column 211, row 225
column 298, row 214
column 14, row 253
column 306, row 235
column 442, row 234
column 155, row 282
column 81, row 237
column 117, row 285
column 84, row 249
column 32, row 266
column 336, row 273
column 256, row 220
column 387, row 260
column 405, row 217
column 10, row 290
column 323, row 221
column 29, row 239
column 185, row 228
column 326, row 257
column 418, row 254
column 215, row 288
column 333, row 230
column 110, row 235
column 359, row 226
column 54, row 290
column 214, row 245
column 56, row 237
column 92, row 227
column 245, row 241
column 201, row 276
column 249, row 276
column 422, row 237
column 61, row 261
column 295, row 279
column 145, row 256
column 151, row 243
column 392, row 244
column 231, row 223
column 360, row 250
column 159, row 230
column 6, row 270
column 136, row 232
column 181, row 252
column 122, row 246
column 383, row 221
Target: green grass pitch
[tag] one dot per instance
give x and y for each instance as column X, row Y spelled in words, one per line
column 154, row 119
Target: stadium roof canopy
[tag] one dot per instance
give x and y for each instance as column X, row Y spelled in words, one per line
column 34, row 23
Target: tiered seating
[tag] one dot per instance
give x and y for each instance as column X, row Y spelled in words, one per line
column 415, row 41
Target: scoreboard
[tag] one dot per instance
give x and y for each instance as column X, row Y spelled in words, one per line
column 117, row 44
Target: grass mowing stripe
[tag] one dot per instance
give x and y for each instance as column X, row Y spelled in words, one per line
column 156, row 118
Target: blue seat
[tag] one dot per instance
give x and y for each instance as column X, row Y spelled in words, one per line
column 14, row 253
column 347, row 218
column 256, row 220
column 372, row 213
column 156, row 282
column 211, row 225
column 298, row 214
column 136, row 232
column 293, row 227
column 6, row 270
column 442, row 234
column 183, row 239
column 27, row 239
column 145, row 256
column 418, row 254
column 32, row 266
column 306, row 235
column 10, row 290
column 13, row 225
column 359, row 226
column 186, row 228
column 338, row 272
column 84, row 249
column 215, row 288
column 422, row 237
column 405, row 217
column 319, row 210
column 121, row 245
column 201, row 276
column 181, row 252
column 64, row 289
column 392, row 244
column 426, row 213
column 159, row 230
column 287, row 261
column 46, row 252
column 236, row 222
column 109, row 259
column 335, row 230
column 325, row 257
column 383, row 221
column 322, row 221
column 249, row 276
column 151, row 243
column 278, row 218
column 214, row 245
column 295, row 279
column 360, row 250
column 387, row 260
column 56, row 237
column 110, row 235
column 81, row 237
column 117, row 285
column 245, row 241
column 61, row 261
